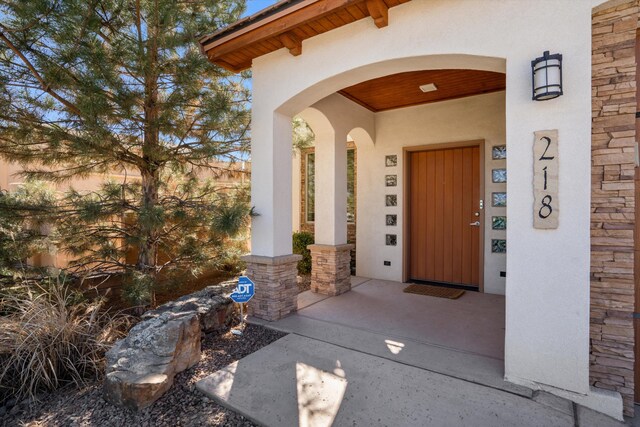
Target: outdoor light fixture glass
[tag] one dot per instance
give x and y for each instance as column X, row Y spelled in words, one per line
column 547, row 76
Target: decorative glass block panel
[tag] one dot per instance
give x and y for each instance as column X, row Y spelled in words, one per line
column 391, row 160
column 499, row 152
column 392, row 239
column 498, row 246
column 391, row 180
column 392, row 220
column 391, row 200
column 499, row 175
column 499, row 222
column 499, row 200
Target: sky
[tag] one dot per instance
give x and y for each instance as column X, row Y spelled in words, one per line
column 254, row 6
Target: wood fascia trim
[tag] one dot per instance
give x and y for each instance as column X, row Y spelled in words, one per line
column 207, row 43
column 229, row 67
column 303, row 13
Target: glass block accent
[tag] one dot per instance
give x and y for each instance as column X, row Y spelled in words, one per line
column 391, row 200
column 499, row 246
column 499, row 222
column 391, row 239
column 391, row 180
column 499, row 200
column 391, row 161
column 392, row 220
column 499, row 152
column 499, row 175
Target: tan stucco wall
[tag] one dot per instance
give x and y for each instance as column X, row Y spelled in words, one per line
column 10, row 180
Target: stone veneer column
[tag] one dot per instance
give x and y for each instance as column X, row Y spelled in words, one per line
column 613, row 136
column 330, row 268
column 275, row 285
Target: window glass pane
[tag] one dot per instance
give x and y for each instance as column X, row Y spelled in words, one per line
column 351, row 186
column 311, row 187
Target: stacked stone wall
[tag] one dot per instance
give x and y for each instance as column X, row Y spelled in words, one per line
column 330, row 271
column 276, row 288
column 614, row 26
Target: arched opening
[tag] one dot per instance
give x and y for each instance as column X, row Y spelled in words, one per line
column 406, row 139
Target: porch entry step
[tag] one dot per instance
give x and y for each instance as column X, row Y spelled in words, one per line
column 475, row 368
column 302, row 381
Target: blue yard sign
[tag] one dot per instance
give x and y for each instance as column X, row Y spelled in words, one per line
column 244, row 291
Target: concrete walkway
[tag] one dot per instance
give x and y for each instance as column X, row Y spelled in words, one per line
column 346, row 362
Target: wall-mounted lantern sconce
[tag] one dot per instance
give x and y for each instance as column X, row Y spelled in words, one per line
column 547, row 76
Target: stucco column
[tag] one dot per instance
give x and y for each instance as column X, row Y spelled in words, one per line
column 271, row 265
column 331, row 188
column 331, row 256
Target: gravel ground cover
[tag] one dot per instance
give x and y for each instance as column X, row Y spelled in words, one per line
column 304, row 283
column 183, row 405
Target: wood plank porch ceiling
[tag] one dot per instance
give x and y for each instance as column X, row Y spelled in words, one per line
column 403, row 89
column 286, row 25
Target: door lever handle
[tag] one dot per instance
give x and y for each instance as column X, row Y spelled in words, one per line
column 475, row 224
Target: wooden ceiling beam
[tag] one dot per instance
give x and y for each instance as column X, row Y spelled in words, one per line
column 228, row 66
column 291, row 42
column 379, row 11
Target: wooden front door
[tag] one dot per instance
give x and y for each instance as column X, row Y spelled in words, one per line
column 444, row 215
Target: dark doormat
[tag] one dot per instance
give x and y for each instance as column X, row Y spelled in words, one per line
column 434, row 291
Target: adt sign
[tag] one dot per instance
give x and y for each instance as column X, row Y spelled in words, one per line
column 244, row 291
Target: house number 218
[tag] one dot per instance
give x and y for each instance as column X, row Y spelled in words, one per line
column 545, row 179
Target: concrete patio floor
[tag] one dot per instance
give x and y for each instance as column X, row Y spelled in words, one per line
column 377, row 356
column 473, row 323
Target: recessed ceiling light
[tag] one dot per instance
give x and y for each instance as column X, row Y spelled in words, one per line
column 428, row 87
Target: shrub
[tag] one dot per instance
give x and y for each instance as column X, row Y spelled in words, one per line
column 300, row 242
column 49, row 339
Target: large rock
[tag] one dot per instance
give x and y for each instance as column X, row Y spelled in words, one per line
column 212, row 304
column 141, row 367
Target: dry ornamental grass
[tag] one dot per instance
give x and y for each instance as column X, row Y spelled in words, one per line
column 49, row 339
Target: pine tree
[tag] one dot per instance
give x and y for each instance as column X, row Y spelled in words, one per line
column 104, row 86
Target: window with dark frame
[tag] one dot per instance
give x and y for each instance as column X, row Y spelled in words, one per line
column 310, row 193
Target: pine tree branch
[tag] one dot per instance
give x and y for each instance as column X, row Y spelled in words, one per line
column 45, row 86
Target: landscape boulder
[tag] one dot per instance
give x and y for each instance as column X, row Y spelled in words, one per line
column 141, row 367
column 212, row 304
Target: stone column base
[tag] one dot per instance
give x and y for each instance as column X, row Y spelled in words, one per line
column 276, row 285
column 330, row 269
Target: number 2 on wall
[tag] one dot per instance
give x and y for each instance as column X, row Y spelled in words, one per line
column 544, row 154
